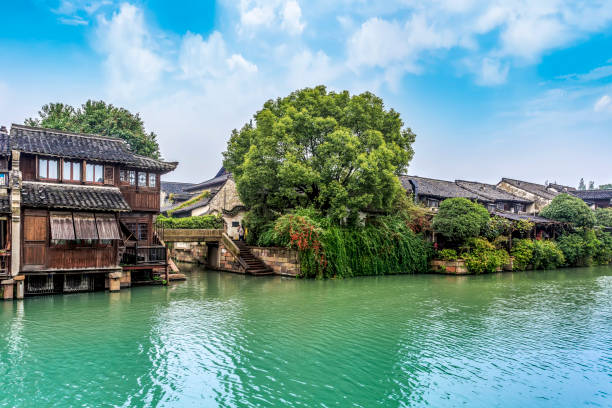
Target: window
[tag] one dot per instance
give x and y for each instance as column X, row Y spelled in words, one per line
column 72, row 171
column 152, row 180
column 142, row 179
column 123, row 176
column 491, row 207
column 47, row 169
column 433, row 203
column 519, row 208
column 3, row 179
column 132, row 177
column 139, row 231
column 94, row 173
column 500, row 206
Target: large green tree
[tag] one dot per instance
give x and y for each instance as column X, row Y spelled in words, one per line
column 100, row 118
column 570, row 209
column 335, row 152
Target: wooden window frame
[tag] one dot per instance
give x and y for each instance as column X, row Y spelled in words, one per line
column 154, row 176
column 94, row 173
column 48, row 159
column 129, row 177
column 146, row 179
column 71, row 178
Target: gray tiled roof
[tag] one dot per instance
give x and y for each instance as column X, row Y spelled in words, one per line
column 438, row 188
column 525, row 217
column 533, row 188
column 185, row 211
column 173, row 187
column 593, row 194
column 77, row 197
column 213, row 182
column 80, row 146
column 490, row 192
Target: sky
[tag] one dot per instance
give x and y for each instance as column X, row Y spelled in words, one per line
column 519, row 89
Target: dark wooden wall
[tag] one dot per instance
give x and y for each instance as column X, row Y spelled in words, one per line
column 39, row 254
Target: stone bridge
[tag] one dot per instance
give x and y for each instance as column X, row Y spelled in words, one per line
column 223, row 253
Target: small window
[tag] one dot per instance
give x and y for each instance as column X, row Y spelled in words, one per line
column 519, row 208
column 235, row 224
column 491, row 207
column 123, row 176
column 94, row 173
column 142, row 179
column 47, row 169
column 433, row 203
column 152, row 180
column 72, row 171
column 132, row 176
column 3, row 179
column 500, row 206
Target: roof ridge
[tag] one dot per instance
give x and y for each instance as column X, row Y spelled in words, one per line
column 69, row 133
column 43, row 183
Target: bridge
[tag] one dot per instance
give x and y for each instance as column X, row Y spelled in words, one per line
column 223, row 252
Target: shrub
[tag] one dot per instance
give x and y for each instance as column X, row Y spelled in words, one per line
column 196, row 222
column 586, row 248
column 447, row 255
column 496, row 227
column 603, row 217
column 459, row 219
column 523, row 227
column 574, row 249
column 546, row 255
column 567, row 208
column 603, row 253
column 484, row 257
column 522, row 251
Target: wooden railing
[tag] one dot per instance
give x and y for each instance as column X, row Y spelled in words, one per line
column 149, row 255
column 5, row 265
column 191, row 235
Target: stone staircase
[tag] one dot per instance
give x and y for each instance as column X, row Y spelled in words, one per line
column 254, row 266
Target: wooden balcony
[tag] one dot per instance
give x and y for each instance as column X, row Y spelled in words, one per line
column 141, row 199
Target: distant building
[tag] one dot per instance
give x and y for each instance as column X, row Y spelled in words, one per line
column 431, row 192
column 222, row 199
column 173, row 192
column 540, row 194
column 595, row 198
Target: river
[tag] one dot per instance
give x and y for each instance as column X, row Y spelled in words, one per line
column 531, row 339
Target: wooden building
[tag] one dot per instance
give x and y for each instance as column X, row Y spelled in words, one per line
column 595, row 198
column 82, row 211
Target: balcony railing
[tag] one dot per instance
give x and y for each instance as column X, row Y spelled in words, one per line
column 144, row 255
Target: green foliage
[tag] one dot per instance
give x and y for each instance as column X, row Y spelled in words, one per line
column 581, row 185
column 459, row 219
column 523, row 227
column 335, row 152
column 585, row 248
column 603, row 217
column 99, row 118
column 447, row 255
column 567, row 208
column 497, row 226
column 606, row 186
column 192, row 200
column 197, row 222
column 546, row 255
column 482, row 256
column 522, row 251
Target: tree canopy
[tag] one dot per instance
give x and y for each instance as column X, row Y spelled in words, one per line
column 100, row 118
column 459, row 219
column 567, row 208
column 335, row 152
column 604, row 217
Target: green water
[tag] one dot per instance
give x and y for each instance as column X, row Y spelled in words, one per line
column 538, row 339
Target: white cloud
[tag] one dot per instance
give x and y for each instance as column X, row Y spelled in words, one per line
column 271, row 15
column 132, row 61
column 491, row 72
column 603, row 104
column 75, row 21
column 292, row 14
column 204, row 60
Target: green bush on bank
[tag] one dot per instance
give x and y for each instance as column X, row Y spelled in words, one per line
column 481, row 256
column 459, row 219
column 546, row 255
column 522, row 251
column 195, row 222
column 387, row 246
column 586, row 248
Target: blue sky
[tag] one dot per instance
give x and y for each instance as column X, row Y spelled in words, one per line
column 492, row 89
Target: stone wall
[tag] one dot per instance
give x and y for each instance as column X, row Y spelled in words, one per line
column 189, row 252
column 457, row 267
column 228, row 262
column 282, row 261
column 538, row 202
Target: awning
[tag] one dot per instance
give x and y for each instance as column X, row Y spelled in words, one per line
column 107, row 226
column 62, row 226
column 85, row 226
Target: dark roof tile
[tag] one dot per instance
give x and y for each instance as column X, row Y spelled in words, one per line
column 490, row 192
column 77, row 197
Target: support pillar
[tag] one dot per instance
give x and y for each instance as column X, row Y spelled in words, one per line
column 7, row 289
column 15, row 195
column 114, row 281
column 19, row 286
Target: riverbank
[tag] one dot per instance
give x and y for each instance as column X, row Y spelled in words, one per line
column 230, row 340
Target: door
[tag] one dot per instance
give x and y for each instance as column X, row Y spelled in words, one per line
column 35, row 233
